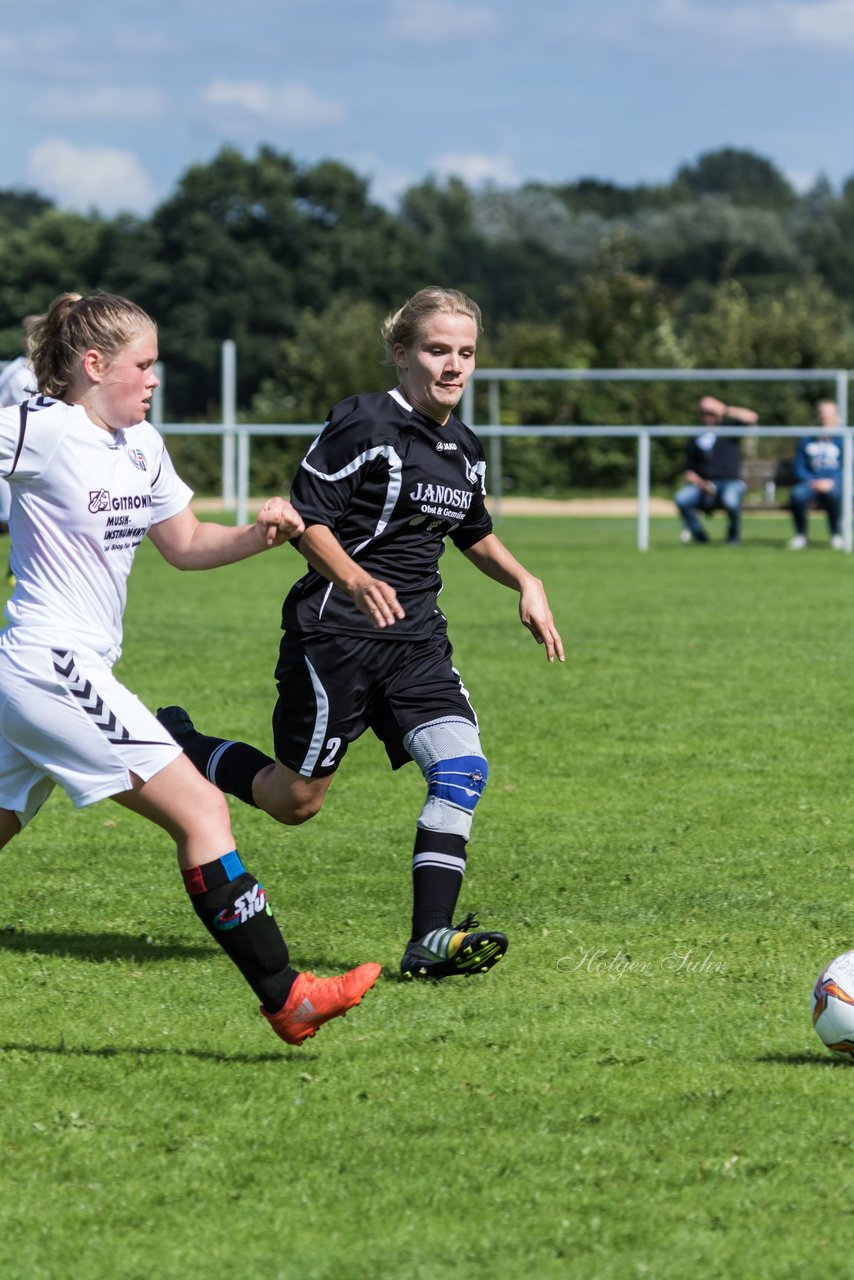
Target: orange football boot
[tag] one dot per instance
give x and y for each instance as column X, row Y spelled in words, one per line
column 313, row 1001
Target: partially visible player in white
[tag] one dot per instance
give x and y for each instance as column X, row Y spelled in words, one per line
column 90, row 478
column 17, row 382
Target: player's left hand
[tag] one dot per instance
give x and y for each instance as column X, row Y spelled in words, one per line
column 277, row 522
column 536, row 615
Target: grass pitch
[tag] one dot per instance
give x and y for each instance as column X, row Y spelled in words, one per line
column 635, row 1090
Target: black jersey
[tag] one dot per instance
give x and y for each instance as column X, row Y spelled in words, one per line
column 391, row 484
column 714, row 457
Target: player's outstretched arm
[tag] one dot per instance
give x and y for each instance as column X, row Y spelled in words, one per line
column 188, row 543
column 492, row 558
column 371, row 596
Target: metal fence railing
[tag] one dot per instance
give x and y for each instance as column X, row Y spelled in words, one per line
column 244, row 432
column 708, row 377
column 236, row 436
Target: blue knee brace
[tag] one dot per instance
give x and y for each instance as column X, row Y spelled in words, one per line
column 448, row 753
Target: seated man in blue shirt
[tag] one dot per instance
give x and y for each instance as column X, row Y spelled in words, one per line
column 818, row 477
column 713, row 471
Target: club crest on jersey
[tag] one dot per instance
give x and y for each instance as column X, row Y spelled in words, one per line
column 99, row 500
column 137, row 457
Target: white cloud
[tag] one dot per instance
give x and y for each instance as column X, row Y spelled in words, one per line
column 442, row 21
column 803, row 180
column 144, row 44
column 85, row 178
column 475, row 168
column 291, row 104
column 828, row 24
column 388, row 182
column 820, row 24
column 102, row 103
column 700, row 29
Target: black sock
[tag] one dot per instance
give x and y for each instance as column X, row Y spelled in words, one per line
column 229, row 765
column 233, row 907
column 438, row 866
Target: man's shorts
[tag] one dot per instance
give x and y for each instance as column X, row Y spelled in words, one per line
column 334, row 687
column 66, row 719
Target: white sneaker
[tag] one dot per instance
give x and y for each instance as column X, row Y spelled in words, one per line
column 837, row 542
column 798, row 542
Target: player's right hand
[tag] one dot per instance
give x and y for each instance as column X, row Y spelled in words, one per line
column 379, row 602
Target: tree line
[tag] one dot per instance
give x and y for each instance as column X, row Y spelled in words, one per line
column 725, row 266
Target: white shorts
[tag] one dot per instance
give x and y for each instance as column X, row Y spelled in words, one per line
column 65, row 718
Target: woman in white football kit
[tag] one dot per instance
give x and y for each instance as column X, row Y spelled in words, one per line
column 90, row 478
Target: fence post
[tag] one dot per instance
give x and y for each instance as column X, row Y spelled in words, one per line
column 229, row 418
column 157, row 398
column 242, row 505
column 467, row 404
column 643, row 491
column 496, row 460
column 847, row 458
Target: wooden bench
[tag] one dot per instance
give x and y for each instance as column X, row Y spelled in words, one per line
column 765, row 476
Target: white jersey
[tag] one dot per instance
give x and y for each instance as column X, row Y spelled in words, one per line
column 17, row 382
column 82, row 501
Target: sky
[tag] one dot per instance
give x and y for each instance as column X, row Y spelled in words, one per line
column 106, row 103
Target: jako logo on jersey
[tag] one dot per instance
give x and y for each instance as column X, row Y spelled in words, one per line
column 99, row 500
column 446, row 446
column 246, row 906
column 137, row 457
column 440, row 493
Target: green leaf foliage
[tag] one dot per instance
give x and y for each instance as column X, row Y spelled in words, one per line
column 724, row 266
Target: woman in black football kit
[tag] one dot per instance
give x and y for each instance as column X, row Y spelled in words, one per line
column 389, row 478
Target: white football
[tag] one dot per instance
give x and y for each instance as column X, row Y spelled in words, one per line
column 832, row 1005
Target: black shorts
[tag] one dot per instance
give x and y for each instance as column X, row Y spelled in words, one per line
column 334, row 687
